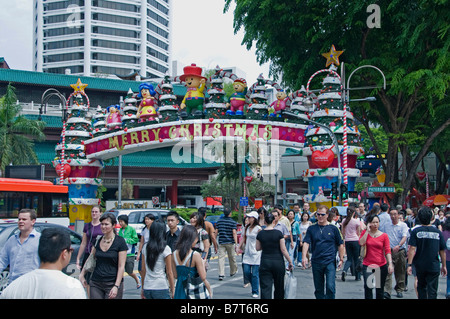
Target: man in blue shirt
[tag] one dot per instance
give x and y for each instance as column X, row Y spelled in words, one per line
column 227, row 239
column 21, row 250
column 325, row 240
column 384, row 217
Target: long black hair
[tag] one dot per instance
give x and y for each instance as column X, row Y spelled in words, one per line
column 156, row 243
column 187, row 237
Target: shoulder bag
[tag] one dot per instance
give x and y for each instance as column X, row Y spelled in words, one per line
column 90, row 263
column 194, row 286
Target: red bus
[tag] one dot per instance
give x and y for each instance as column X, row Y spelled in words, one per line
column 50, row 201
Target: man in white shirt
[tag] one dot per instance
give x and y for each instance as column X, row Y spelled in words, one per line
column 48, row 282
column 397, row 232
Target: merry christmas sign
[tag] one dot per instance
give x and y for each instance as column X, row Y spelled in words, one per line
column 166, row 134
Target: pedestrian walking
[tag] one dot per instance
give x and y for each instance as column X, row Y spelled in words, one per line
column 145, row 235
column 131, row 238
column 110, row 254
column 20, row 251
column 226, row 230
column 91, row 231
column 426, row 245
column 326, row 241
column 351, row 231
column 384, row 217
column 209, row 227
column 202, row 245
column 262, row 213
column 446, row 234
column 173, row 233
column 158, row 282
column 252, row 257
column 378, row 250
column 272, row 269
column 397, row 232
column 295, row 232
column 304, row 224
column 187, row 261
column 48, row 281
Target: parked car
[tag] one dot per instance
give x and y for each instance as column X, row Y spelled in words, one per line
column 8, row 230
column 213, row 219
column 136, row 217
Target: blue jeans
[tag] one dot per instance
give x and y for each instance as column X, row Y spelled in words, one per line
column 157, row 294
column 448, row 277
column 324, row 280
column 290, row 250
column 251, row 275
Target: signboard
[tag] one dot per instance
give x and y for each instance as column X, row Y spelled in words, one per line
column 214, row 201
column 155, row 200
column 168, row 134
column 258, row 203
column 382, row 189
column 243, row 201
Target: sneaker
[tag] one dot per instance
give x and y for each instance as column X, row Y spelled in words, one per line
column 299, row 264
column 234, row 274
column 221, row 277
column 139, row 284
column 255, row 296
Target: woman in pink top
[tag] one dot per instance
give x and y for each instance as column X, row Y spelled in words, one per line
column 351, row 230
column 378, row 251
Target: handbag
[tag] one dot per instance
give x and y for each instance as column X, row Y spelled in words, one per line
column 362, row 254
column 91, row 261
column 195, row 287
column 290, row 286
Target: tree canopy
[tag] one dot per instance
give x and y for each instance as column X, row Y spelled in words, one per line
column 17, row 133
column 411, row 47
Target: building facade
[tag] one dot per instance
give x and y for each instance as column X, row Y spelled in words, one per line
column 103, row 38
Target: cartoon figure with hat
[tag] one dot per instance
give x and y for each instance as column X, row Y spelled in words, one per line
column 279, row 104
column 147, row 110
column 237, row 99
column 194, row 99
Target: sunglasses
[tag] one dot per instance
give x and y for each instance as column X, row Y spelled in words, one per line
column 319, row 214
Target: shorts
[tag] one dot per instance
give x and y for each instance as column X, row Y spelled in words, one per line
column 129, row 264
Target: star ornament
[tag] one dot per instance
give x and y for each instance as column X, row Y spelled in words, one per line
column 78, row 87
column 332, row 56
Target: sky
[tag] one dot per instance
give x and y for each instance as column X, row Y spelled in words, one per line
column 201, row 34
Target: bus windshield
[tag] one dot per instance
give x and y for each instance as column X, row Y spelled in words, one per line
column 47, row 199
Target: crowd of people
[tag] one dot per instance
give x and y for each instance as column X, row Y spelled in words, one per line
column 381, row 247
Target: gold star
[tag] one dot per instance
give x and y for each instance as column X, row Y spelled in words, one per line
column 332, row 56
column 78, row 87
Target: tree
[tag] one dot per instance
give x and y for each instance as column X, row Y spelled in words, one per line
column 411, row 47
column 17, row 133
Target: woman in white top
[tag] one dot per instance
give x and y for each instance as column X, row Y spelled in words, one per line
column 157, row 265
column 351, row 229
column 303, row 225
column 252, row 257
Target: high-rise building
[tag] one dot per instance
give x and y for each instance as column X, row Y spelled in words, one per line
column 102, row 37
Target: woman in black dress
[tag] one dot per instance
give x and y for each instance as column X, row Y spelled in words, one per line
column 272, row 267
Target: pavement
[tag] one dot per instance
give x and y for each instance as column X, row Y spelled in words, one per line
column 231, row 288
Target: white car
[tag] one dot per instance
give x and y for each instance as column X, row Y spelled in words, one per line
column 136, row 217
